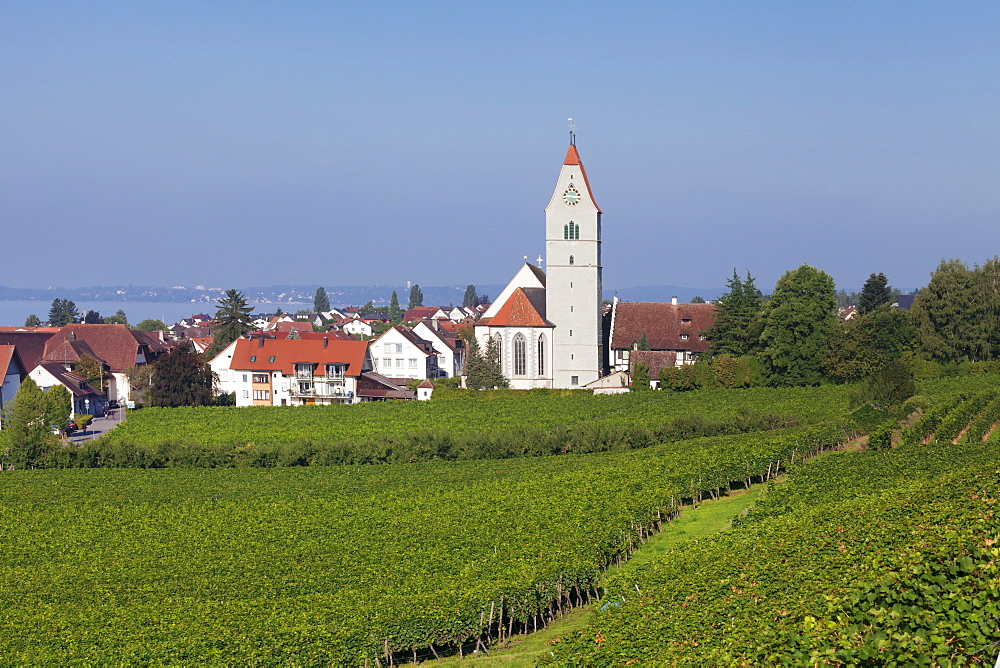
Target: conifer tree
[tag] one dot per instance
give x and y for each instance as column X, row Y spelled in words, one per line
column 321, row 303
column 875, row 293
column 395, row 313
column 32, row 321
column 416, row 297
column 232, row 320
column 737, row 324
column 470, row 298
column 63, row 312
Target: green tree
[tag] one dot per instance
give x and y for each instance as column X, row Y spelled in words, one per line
column 482, row 368
column 63, row 312
column 151, row 326
column 875, row 293
column 697, row 300
column 737, row 324
column 29, row 435
column 58, row 408
column 395, row 313
column 956, row 314
column 119, row 318
column 643, row 343
column 92, row 317
column 416, row 297
column 799, row 323
column 91, row 370
column 640, row 377
column 32, row 321
column 470, row 298
column 321, row 303
column 140, row 380
column 232, row 320
column 868, row 343
column 181, row 378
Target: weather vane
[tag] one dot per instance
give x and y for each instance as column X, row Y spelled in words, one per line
column 572, row 131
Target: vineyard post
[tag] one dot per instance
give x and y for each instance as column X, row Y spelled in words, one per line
column 489, row 629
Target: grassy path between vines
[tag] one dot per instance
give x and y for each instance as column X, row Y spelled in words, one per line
column 708, row 518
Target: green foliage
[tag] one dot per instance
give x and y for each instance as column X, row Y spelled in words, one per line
column 470, row 298
column 119, row 318
column 395, row 314
column 181, row 378
column 151, row 325
column 957, row 314
column 232, row 320
column 868, row 343
column 92, row 371
column 881, row 438
column 697, row 300
column 416, row 297
column 643, row 343
column 737, row 323
column 321, row 302
column 799, row 323
column 887, row 387
column 82, row 420
column 32, row 321
column 482, row 368
column 92, row 318
column 26, row 427
column 863, row 558
column 640, row 377
column 875, row 293
column 63, row 312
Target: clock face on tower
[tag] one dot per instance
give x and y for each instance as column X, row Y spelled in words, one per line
column 571, row 196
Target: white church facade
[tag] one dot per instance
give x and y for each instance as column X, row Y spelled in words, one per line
column 547, row 325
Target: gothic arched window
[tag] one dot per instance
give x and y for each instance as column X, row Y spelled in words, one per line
column 498, row 344
column 541, row 354
column 520, row 355
column 571, row 230
column 571, row 259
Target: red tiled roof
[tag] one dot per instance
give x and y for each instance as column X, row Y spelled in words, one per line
column 573, row 158
column 426, row 384
column 419, row 313
column 9, row 355
column 653, row 359
column 30, row 344
column 663, row 324
column 518, row 311
column 256, row 354
column 115, row 344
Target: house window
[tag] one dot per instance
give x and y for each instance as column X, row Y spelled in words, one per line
column 541, row 355
column 701, row 337
column 413, row 363
column 684, row 337
column 574, row 380
column 246, row 394
column 271, row 359
column 571, row 231
column 262, row 395
column 253, row 358
column 259, row 378
column 686, row 320
column 244, row 378
column 520, row 355
column 399, row 362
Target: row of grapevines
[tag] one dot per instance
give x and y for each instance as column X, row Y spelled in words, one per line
column 863, row 558
column 333, row 565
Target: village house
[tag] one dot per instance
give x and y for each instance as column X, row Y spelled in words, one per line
column 292, row 371
column 677, row 330
column 13, row 373
column 449, row 347
column 399, row 353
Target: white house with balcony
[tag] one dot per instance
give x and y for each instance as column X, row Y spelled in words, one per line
column 292, row 372
column 400, row 353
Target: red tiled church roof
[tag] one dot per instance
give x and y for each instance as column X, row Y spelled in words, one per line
column 573, row 158
column 518, row 311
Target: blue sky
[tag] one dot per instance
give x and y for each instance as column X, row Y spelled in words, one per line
column 252, row 143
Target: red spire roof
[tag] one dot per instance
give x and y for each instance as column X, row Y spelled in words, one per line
column 518, row 311
column 572, row 157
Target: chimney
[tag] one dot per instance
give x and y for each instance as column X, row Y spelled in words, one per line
column 260, row 342
column 673, row 300
column 325, row 342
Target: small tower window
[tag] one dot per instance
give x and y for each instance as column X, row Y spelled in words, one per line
column 571, row 230
column 571, row 259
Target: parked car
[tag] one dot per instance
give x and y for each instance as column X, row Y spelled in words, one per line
column 70, row 427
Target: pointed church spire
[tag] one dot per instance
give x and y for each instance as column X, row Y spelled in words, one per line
column 572, row 157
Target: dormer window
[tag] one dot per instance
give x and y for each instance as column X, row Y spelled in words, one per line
column 686, row 321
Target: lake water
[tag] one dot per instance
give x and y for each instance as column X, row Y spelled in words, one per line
column 13, row 313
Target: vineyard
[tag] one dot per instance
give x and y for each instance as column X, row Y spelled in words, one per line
column 336, row 565
column 860, row 558
column 455, row 425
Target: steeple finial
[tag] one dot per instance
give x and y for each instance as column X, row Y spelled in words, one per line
column 572, row 131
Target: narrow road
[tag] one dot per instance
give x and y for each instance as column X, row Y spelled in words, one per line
column 98, row 427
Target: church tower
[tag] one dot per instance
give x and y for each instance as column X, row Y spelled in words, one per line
column 573, row 275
